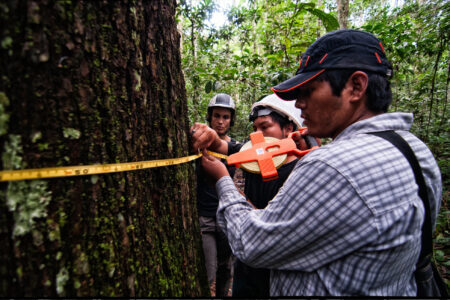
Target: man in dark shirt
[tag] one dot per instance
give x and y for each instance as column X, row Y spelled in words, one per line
column 274, row 118
column 218, row 255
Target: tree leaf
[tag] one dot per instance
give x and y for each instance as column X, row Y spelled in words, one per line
column 208, row 87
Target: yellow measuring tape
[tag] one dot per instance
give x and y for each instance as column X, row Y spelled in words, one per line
column 13, row 175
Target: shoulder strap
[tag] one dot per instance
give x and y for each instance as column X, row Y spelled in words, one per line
column 403, row 146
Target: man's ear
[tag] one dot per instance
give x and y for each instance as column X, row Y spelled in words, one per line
column 288, row 129
column 357, row 85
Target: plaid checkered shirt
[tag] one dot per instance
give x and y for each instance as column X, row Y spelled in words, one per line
column 346, row 222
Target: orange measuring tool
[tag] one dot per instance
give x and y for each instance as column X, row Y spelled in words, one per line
column 263, row 153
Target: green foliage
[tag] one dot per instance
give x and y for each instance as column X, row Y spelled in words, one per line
column 245, row 58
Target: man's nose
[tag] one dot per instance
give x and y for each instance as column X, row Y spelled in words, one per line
column 300, row 103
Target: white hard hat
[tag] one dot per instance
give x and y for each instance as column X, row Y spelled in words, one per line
column 273, row 103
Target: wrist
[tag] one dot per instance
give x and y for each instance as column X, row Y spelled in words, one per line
column 217, row 143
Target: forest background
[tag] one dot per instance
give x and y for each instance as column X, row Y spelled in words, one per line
column 262, row 41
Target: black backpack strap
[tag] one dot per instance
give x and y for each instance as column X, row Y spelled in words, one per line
column 403, row 146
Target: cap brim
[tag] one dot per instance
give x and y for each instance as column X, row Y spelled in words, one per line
column 288, row 90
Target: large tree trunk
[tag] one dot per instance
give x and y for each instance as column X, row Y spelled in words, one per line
column 88, row 82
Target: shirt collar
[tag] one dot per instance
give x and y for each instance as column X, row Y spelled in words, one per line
column 382, row 122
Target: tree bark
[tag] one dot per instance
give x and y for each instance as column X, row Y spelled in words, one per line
column 343, row 10
column 96, row 82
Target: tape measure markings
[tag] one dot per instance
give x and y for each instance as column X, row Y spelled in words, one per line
column 26, row 174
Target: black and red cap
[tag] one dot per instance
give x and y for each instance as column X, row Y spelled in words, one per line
column 340, row 49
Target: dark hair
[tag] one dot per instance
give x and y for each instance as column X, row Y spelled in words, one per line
column 379, row 94
column 283, row 121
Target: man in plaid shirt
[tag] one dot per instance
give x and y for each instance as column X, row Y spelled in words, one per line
column 347, row 221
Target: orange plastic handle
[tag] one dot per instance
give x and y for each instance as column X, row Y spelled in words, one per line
column 258, row 152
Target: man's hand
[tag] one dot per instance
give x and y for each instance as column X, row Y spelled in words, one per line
column 304, row 141
column 213, row 166
column 204, row 137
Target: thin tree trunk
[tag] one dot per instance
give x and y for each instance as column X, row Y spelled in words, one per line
column 319, row 21
column 194, row 63
column 433, row 83
column 444, row 116
column 343, row 10
column 95, row 82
